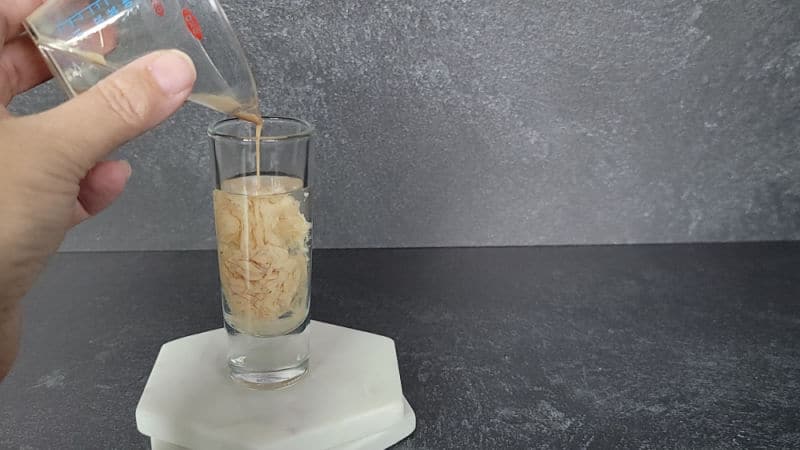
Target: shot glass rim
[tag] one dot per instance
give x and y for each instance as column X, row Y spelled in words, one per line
column 215, row 133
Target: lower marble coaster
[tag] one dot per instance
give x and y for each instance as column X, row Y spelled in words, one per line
column 351, row 398
column 382, row 440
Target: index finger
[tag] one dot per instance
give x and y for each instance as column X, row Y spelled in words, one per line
column 12, row 13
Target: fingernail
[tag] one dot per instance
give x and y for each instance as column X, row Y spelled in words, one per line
column 128, row 169
column 173, row 71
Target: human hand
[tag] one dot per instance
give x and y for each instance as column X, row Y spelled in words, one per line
column 53, row 174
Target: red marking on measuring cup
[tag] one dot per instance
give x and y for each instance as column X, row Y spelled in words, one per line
column 192, row 24
column 158, row 7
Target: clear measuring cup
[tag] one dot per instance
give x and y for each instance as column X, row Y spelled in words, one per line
column 83, row 41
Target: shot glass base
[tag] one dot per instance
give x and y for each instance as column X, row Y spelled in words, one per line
column 266, row 381
column 268, row 362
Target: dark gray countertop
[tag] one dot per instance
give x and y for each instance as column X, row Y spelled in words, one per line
column 644, row 346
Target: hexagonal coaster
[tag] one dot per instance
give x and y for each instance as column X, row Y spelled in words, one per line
column 350, row 398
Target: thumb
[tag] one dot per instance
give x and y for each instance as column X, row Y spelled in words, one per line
column 122, row 106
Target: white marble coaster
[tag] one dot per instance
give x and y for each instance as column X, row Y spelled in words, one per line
column 350, row 399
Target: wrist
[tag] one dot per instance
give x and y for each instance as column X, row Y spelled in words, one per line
column 10, row 327
column 21, row 262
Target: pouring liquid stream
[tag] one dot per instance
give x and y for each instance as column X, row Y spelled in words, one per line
column 248, row 113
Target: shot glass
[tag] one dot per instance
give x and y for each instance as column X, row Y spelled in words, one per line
column 262, row 216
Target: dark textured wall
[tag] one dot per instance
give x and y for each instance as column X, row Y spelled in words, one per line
column 503, row 122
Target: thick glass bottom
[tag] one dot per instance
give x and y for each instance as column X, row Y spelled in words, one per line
column 277, row 379
column 268, row 362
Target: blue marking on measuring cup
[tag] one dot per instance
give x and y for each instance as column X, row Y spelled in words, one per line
column 95, row 13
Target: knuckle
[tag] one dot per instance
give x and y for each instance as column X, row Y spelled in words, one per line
column 122, row 102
